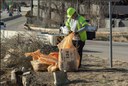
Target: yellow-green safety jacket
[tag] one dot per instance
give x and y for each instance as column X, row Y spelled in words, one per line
column 81, row 23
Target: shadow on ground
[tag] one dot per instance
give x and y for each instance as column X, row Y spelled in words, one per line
column 115, row 70
column 92, row 51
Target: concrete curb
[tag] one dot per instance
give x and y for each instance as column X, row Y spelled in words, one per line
column 10, row 18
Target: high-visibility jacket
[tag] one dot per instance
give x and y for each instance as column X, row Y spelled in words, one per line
column 81, row 23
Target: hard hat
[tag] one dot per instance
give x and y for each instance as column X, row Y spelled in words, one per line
column 70, row 12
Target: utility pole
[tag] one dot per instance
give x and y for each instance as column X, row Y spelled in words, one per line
column 110, row 37
column 32, row 7
column 63, row 8
column 38, row 14
column 77, row 7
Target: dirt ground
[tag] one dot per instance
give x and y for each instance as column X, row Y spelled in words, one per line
column 94, row 72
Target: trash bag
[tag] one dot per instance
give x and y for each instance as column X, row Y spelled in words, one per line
column 54, row 55
column 47, row 59
column 38, row 66
column 68, row 56
column 51, row 59
column 52, row 68
column 35, row 55
column 66, row 43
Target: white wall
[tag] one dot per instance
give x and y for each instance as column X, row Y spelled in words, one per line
column 125, row 22
column 9, row 34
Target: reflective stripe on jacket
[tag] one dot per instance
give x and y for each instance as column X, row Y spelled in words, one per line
column 81, row 23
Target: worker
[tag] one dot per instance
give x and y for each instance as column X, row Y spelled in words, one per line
column 78, row 25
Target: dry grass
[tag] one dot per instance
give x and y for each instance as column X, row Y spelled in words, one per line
column 117, row 36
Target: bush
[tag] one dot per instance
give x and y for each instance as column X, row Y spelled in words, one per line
column 13, row 50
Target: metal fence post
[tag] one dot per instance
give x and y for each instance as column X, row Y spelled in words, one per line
column 110, row 37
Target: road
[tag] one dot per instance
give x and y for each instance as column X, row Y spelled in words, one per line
column 16, row 24
column 101, row 49
column 5, row 14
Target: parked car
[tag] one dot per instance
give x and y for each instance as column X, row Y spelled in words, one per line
column 2, row 25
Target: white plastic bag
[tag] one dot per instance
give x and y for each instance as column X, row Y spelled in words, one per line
column 64, row 30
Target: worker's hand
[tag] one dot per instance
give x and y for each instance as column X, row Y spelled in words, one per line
column 70, row 32
column 96, row 28
column 76, row 33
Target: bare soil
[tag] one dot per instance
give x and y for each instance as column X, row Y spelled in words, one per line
column 95, row 71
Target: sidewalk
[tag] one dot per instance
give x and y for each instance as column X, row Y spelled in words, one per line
column 5, row 16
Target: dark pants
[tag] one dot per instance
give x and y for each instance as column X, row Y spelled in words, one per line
column 79, row 45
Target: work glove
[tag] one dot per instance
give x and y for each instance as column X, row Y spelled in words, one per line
column 76, row 33
column 70, row 32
